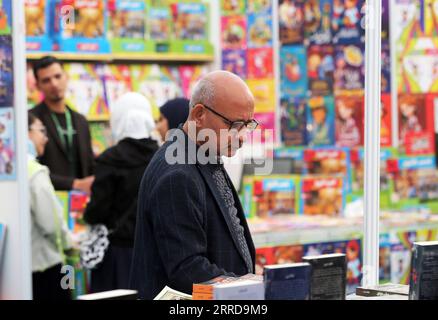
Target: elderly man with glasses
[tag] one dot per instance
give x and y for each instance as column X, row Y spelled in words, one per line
column 191, row 226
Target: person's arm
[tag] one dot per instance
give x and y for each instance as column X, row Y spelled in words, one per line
column 177, row 208
column 102, row 194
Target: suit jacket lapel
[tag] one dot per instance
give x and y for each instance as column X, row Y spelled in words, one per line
column 81, row 136
column 206, row 173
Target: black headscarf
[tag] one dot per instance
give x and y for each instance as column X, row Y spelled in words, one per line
column 176, row 112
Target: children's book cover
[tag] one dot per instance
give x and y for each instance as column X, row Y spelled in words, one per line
column 322, row 196
column 101, row 137
column 37, row 17
column 317, row 21
column 275, row 195
column 261, row 63
column 127, row 19
column 293, row 121
column 5, row 16
column 259, row 6
column 34, row 96
column 416, row 124
column 190, row 75
column 349, row 121
column 385, row 20
column 117, row 81
column 288, row 254
column 6, row 72
column 384, row 258
column 235, row 61
column 295, row 155
column 85, row 91
column 386, row 121
column 291, row 20
column 327, row 161
column 350, row 69
column 190, row 21
column 401, row 256
column 320, row 248
column 264, row 256
column 7, row 144
column 386, row 68
column 293, row 71
column 265, row 132
column 409, row 19
column 431, row 18
column 321, row 121
column 232, row 7
column 426, row 235
column 233, row 31
column 347, row 16
column 260, row 30
column 159, row 23
column 320, row 69
column 264, row 94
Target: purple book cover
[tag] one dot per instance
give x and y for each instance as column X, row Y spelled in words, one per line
column 350, row 69
column 235, row 62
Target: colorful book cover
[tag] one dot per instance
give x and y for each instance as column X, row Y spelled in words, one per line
column 64, row 199
column 233, row 30
column 401, row 256
column 5, row 16
column 288, row 254
column 259, row 6
column 385, row 20
column 232, row 7
column 127, row 19
column 416, row 124
column 7, row 144
column 347, row 16
column 327, row 161
column 317, row 23
column 6, row 72
column 293, row 121
column 265, row 132
column 295, row 155
column 293, row 71
column 386, row 121
column 190, row 21
column 349, row 121
column 85, row 92
column 264, row 94
column 117, row 81
column 409, row 19
column 159, row 24
column 37, row 16
column 101, row 137
column 275, row 195
column 321, row 248
column 426, row 235
column 261, row 63
column 189, row 76
column 259, row 30
column 264, row 256
column 235, row 61
column 34, row 96
column 320, row 69
column 350, row 69
column 386, row 68
column 321, row 121
column 431, row 18
column 291, row 20
column 384, row 258
column 322, row 196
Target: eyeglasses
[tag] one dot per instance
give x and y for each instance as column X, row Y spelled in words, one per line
column 251, row 125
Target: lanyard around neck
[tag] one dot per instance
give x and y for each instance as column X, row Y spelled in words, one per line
column 66, row 143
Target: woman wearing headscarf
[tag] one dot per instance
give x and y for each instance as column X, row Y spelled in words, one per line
column 172, row 114
column 113, row 202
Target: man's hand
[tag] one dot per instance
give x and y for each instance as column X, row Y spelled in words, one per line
column 83, row 185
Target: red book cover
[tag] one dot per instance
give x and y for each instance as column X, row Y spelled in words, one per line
column 322, row 196
column 326, row 161
column 320, row 69
column 264, row 256
column 349, row 130
column 288, row 254
column 260, row 63
column 234, row 32
column 386, row 124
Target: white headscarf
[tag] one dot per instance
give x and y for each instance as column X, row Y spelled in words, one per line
column 131, row 117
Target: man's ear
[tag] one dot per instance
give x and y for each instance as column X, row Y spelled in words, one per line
column 198, row 114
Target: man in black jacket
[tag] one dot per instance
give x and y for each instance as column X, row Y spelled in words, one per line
column 190, row 225
column 68, row 153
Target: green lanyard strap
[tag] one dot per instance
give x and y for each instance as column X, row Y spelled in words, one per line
column 66, row 143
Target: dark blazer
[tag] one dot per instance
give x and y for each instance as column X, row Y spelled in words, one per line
column 55, row 156
column 115, row 190
column 184, row 232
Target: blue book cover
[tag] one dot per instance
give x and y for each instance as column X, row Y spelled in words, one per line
column 287, row 282
column 349, row 73
column 321, row 121
column 317, row 23
column 347, row 20
column 235, row 61
column 386, row 68
column 7, row 144
column 293, row 121
column 259, row 30
column 6, row 72
column 293, row 71
column 295, row 155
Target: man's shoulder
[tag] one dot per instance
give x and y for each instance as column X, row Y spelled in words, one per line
column 78, row 115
